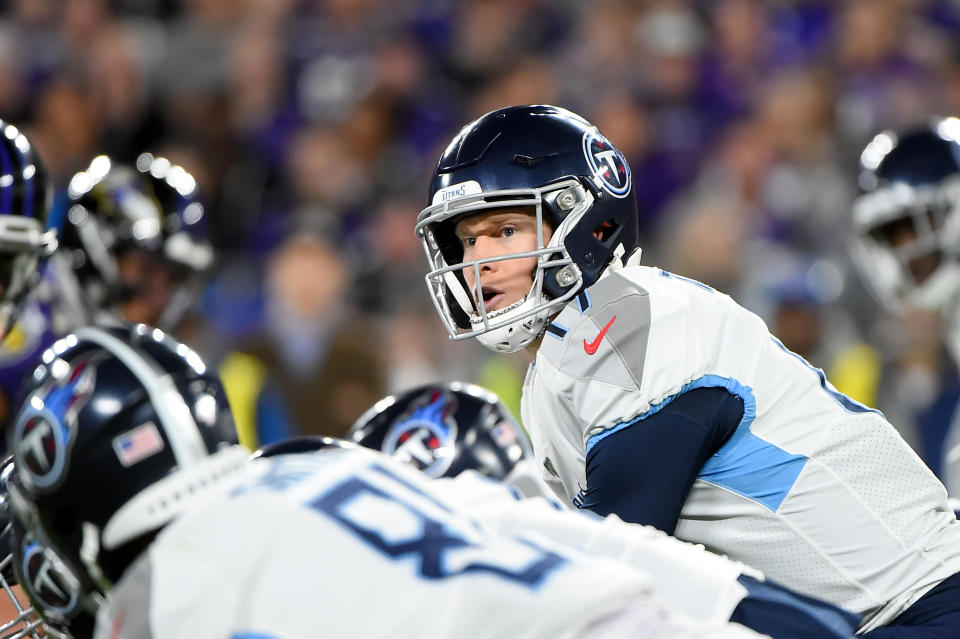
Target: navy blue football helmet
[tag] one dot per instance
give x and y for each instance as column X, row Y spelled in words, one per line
column 445, row 429
column 907, row 220
column 124, row 225
column 50, row 601
column 562, row 168
column 54, row 600
column 25, row 239
column 121, row 429
column 299, row 445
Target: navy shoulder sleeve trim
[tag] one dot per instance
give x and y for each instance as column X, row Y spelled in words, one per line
column 643, row 473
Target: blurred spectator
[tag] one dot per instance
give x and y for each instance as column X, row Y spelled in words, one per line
column 316, row 365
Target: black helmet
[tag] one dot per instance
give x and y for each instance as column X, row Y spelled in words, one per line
column 25, row 240
column 907, row 220
column 120, row 430
column 559, row 165
column 152, row 208
column 58, row 599
column 444, row 429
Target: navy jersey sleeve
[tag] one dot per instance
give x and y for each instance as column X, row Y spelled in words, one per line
column 644, row 472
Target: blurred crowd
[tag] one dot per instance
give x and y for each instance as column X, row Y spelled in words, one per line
column 312, row 128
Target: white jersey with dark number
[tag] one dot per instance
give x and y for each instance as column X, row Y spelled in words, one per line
column 697, row 583
column 814, row 489
column 349, row 543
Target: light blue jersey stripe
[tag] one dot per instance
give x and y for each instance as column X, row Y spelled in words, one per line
column 745, row 464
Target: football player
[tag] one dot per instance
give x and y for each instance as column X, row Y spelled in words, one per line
column 132, row 245
column 125, row 462
column 27, row 238
column 906, row 244
column 133, row 242
column 463, row 431
column 659, row 399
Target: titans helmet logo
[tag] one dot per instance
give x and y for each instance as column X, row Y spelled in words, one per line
column 425, row 438
column 608, row 165
column 48, row 581
column 46, row 426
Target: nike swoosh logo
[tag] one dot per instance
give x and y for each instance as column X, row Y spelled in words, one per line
column 591, row 347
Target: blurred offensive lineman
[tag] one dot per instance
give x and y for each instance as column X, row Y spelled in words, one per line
column 656, row 398
column 125, row 462
column 463, row 431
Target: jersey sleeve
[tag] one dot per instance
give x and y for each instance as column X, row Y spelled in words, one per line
column 644, row 471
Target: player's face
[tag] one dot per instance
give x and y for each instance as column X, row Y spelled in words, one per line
column 901, row 233
column 152, row 281
column 494, row 234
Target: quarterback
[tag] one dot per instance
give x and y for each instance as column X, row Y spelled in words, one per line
column 658, row 399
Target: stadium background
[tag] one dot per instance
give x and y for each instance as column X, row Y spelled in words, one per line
column 312, row 128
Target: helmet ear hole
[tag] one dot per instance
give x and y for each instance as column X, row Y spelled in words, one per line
column 607, row 231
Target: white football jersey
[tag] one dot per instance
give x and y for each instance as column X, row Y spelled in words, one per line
column 350, row 543
column 697, row 583
column 814, row 489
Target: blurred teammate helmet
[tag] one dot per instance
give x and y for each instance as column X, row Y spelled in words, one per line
column 121, row 430
column 445, row 429
column 300, row 445
column 150, row 211
column 562, row 168
column 25, row 240
column 907, row 220
column 31, row 574
column 51, row 600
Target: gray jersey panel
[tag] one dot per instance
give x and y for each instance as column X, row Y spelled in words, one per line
column 623, row 308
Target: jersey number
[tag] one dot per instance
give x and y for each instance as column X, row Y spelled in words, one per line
column 437, row 547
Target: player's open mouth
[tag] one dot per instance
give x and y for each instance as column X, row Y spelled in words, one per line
column 491, row 297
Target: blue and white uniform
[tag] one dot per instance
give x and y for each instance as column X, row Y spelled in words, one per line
column 350, row 543
column 658, row 399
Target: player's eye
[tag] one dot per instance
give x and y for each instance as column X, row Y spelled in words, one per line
column 508, row 231
column 468, row 241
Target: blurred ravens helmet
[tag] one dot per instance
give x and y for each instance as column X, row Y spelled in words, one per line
column 133, row 241
column 907, row 220
column 121, row 429
column 444, row 429
column 568, row 174
column 25, row 240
